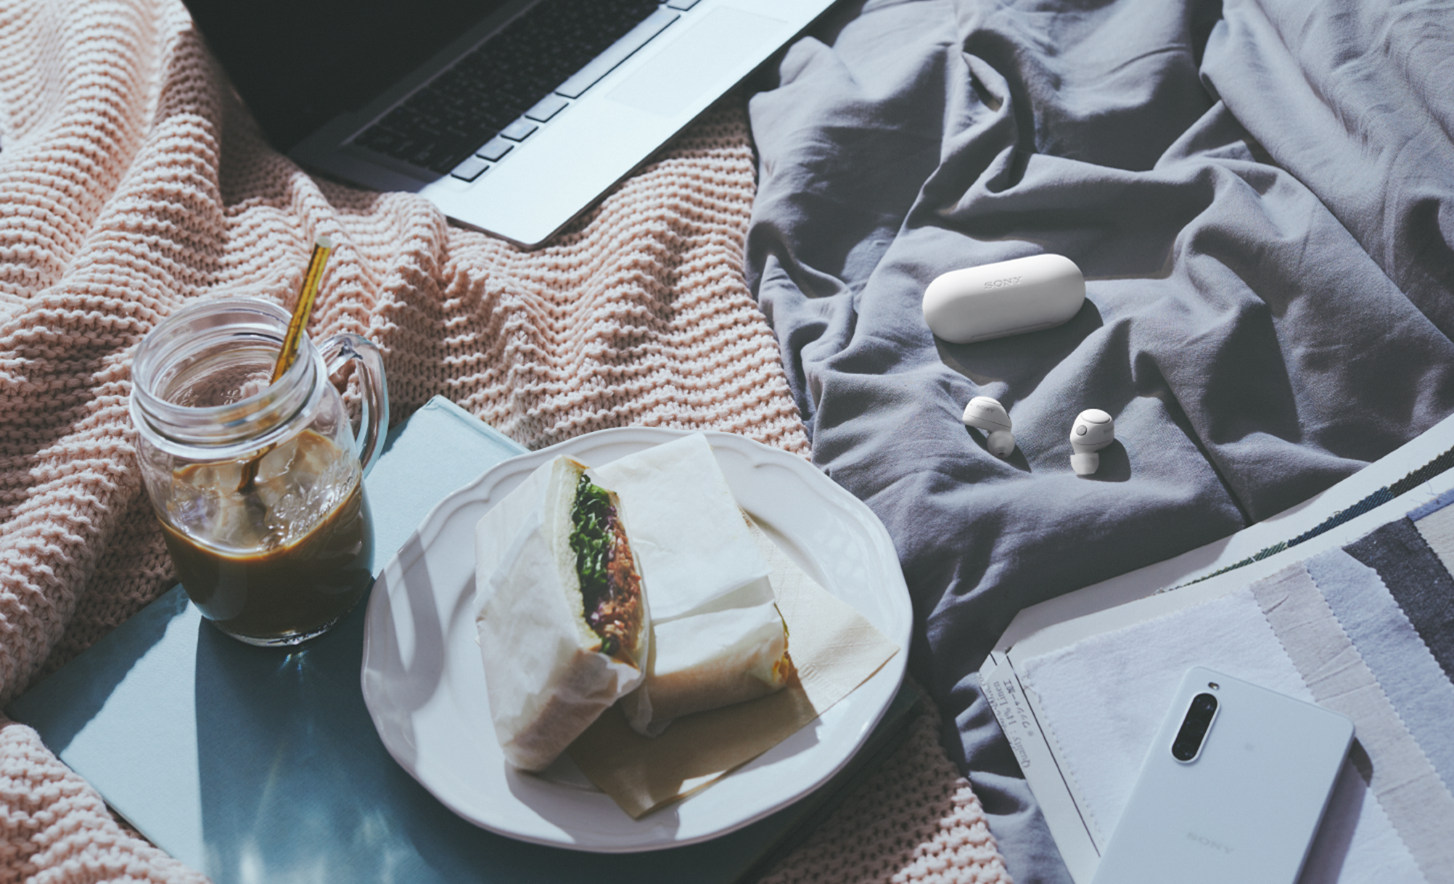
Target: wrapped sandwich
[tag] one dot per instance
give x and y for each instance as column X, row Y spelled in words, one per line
column 717, row 637
column 562, row 623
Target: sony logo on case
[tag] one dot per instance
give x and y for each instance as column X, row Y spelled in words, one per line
column 999, row 283
column 1207, row 842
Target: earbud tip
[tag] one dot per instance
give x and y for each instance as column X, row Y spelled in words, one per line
column 1085, row 464
column 1000, row 443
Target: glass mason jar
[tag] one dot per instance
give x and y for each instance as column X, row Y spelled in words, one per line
column 280, row 557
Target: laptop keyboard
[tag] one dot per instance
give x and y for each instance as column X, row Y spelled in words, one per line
column 497, row 95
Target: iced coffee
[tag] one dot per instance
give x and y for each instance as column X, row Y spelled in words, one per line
column 258, row 482
column 287, row 557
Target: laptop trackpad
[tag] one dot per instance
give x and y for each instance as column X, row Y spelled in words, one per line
column 696, row 61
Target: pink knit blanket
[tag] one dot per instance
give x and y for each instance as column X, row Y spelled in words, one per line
column 131, row 181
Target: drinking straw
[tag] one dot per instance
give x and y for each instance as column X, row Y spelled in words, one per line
column 322, row 248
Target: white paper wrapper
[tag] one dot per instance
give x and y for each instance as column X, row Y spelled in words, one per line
column 835, row 649
column 545, row 678
column 706, row 660
column 717, row 637
column 686, row 531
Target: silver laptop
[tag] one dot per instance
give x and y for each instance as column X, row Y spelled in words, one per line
column 513, row 116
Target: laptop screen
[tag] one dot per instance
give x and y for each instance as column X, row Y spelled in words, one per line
column 299, row 63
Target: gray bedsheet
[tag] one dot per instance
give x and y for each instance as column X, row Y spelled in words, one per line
column 1261, row 196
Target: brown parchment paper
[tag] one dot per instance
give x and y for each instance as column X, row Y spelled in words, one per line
column 834, row 650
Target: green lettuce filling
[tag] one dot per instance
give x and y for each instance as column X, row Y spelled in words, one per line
column 591, row 540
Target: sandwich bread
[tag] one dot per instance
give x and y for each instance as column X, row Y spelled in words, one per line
column 562, row 622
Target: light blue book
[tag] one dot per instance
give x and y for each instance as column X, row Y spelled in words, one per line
column 262, row 765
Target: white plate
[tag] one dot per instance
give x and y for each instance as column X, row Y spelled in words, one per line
column 424, row 683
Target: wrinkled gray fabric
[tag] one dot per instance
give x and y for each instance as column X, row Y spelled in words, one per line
column 1261, row 197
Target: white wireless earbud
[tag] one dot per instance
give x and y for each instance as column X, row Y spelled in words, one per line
column 984, row 413
column 1093, row 431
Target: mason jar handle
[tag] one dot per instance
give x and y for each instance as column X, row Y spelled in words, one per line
column 343, row 348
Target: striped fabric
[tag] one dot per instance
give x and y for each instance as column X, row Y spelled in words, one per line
column 1366, row 629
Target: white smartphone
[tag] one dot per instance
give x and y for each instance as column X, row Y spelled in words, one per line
column 1233, row 788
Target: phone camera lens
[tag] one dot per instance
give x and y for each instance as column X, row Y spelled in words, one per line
column 1194, row 727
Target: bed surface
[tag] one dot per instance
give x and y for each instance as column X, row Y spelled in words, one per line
column 132, row 182
column 1260, row 195
column 1261, row 198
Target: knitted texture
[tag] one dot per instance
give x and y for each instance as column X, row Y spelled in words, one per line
column 57, row 829
column 131, row 182
column 914, row 821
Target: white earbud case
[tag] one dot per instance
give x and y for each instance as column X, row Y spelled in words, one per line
column 1005, row 298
